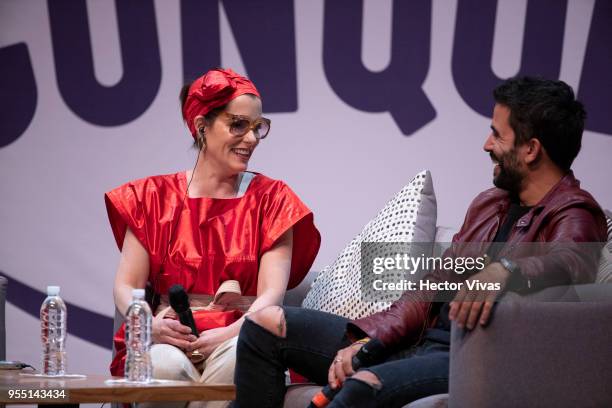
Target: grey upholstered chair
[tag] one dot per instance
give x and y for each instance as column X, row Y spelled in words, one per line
column 534, row 353
column 537, row 353
column 3, row 285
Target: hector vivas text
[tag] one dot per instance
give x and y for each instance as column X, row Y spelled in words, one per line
column 411, row 264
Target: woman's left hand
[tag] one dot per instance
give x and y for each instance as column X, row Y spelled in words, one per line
column 209, row 340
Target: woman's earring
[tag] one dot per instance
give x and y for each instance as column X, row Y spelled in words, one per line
column 201, row 138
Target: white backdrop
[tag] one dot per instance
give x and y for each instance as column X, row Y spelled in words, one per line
column 343, row 162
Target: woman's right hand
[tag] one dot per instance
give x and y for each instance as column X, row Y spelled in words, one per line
column 170, row 331
column 133, row 273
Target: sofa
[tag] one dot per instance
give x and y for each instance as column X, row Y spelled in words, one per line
column 550, row 349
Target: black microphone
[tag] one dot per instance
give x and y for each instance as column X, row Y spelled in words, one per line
column 373, row 352
column 180, row 303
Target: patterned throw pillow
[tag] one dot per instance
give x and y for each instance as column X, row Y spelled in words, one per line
column 604, row 273
column 410, row 216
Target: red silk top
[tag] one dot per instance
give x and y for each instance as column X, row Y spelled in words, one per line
column 214, row 240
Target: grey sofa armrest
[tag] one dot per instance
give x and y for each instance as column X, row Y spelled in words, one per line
column 537, row 354
column 3, row 285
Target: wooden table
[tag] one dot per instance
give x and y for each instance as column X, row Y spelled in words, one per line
column 94, row 389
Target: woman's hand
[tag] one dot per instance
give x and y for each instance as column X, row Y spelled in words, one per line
column 209, row 340
column 170, row 331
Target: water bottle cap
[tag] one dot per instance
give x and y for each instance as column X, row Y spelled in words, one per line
column 53, row 290
column 138, row 293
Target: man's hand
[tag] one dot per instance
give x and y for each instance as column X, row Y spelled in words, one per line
column 170, row 331
column 342, row 366
column 470, row 306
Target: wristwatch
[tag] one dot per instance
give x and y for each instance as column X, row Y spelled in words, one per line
column 514, row 269
column 510, row 265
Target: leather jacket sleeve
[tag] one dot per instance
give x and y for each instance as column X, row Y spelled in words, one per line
column 403, row 321
column 572, row 252
column 406, row 319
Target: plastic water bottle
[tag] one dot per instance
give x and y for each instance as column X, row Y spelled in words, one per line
column 53, row 333
column 138, row 339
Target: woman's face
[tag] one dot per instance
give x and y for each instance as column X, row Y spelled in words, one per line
column 228, row 152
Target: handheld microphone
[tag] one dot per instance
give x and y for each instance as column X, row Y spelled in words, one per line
column 371, row 353
column 180, row 303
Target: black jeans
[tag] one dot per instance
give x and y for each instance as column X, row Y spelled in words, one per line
column 311, row 343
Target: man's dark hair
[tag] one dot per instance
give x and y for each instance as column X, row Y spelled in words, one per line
column 546, row 110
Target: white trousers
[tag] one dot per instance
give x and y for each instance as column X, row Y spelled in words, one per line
column 170, row 363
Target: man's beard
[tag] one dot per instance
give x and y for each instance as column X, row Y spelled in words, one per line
column 509, row 178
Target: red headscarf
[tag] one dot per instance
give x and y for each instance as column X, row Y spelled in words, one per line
column 213, row 89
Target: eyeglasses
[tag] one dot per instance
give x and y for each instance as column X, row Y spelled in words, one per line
column 240, row 126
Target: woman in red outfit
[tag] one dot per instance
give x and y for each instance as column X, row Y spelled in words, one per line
column 235, row 240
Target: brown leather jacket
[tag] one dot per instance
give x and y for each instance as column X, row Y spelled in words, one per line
column 566, row 214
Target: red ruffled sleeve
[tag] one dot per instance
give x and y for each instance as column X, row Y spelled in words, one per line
column 125, row 209
column 284, row 211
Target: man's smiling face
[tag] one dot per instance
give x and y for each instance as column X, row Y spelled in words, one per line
column 508, row 172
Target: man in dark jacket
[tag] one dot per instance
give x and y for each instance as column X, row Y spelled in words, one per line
column 536, row 134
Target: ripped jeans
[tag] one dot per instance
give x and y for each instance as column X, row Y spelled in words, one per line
column 309, row 347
